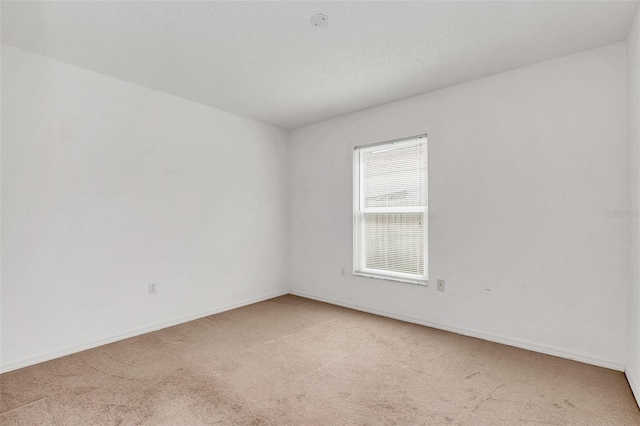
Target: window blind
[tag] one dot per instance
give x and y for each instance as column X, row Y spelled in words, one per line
column 391, row 209
column 394, row 242
column 396, row 177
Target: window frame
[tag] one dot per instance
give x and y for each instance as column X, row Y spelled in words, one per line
column 359, row 211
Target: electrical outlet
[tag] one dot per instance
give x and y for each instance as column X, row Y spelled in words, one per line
column 440, row 285
column 342, row 273
column 153, row 288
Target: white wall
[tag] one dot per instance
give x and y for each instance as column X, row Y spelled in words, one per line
column 633, row 114
column 0, row 199
column 107, row 186
column 522, row 167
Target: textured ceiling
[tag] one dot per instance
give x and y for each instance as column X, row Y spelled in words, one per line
column 264, row 60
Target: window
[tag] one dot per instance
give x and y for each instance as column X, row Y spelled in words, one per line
column 390, row 210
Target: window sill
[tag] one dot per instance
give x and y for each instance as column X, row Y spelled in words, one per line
column 423, row 283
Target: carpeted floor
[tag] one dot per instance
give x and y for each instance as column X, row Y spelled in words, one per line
column 293, row 361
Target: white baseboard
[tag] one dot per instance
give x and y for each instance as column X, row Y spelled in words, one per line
column 466, row 332
column 83, row 347
column 475, row 333
column 633, row 384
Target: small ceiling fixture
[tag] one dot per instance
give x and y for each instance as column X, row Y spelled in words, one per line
column 319, row 20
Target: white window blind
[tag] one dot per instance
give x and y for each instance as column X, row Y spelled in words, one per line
column 390, row 210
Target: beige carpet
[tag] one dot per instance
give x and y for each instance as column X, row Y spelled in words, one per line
column 292, row 361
